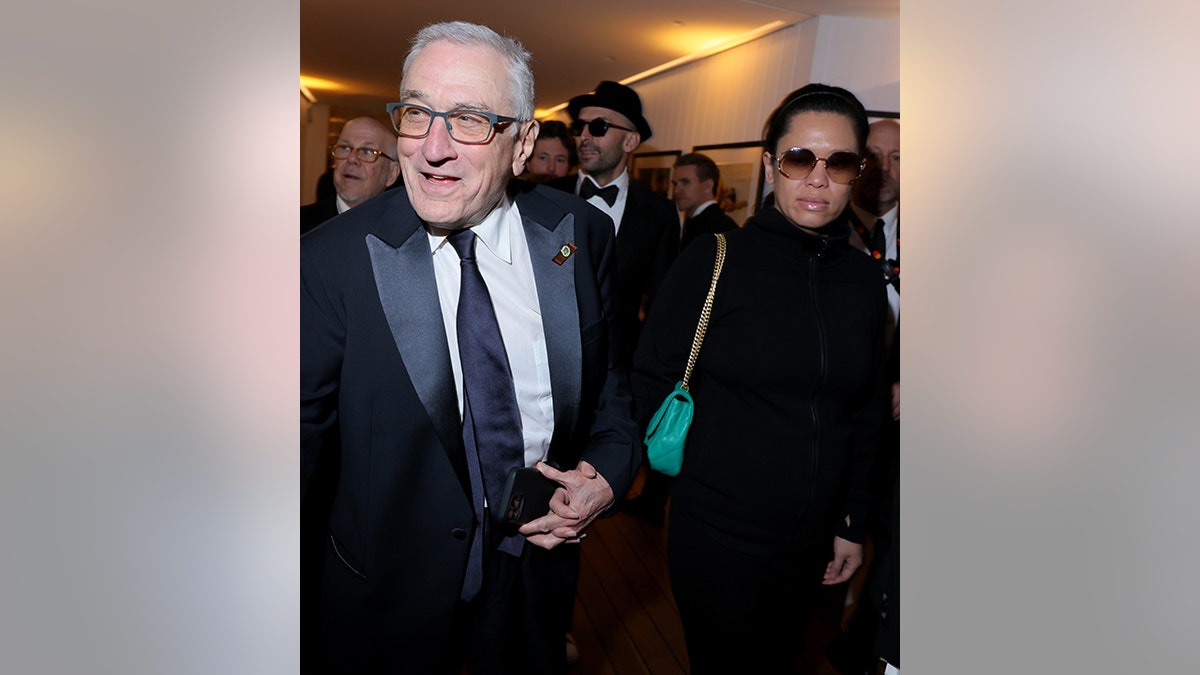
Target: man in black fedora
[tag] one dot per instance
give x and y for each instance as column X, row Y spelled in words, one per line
column 609, row 126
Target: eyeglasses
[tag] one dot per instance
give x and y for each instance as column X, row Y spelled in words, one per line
column 798, row 163
column 597, row 127
column 366, row 155
column 470, row 127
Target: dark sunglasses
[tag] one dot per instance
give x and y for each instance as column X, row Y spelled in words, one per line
column 798, row 163
column 597, row 127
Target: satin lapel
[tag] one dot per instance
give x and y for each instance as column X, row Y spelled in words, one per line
column 408, row 292
column 560, row 312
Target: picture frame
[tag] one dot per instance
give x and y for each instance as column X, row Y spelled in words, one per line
column 743, row 182
column 654, row 169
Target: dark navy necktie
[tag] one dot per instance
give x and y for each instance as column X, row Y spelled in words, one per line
column 608, row 194
column 878, row 245
column 879, row 238
column 491, row 420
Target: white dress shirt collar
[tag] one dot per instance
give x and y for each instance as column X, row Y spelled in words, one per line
column 617, row 210
column 705, row 205
column 494, row 231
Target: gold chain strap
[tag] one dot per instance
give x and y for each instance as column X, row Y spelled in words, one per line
column 706, row 312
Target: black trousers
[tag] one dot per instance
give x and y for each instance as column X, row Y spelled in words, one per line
column 741, row 613
column 517, row 624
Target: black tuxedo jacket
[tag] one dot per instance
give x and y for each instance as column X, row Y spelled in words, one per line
column 709, row 221
column 316, row 213
column 379, row 412
column 647, row 244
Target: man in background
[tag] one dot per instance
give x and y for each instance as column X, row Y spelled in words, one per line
column 873, row 632
column 554, row 154
column 609, row 126
column 876, row 206
column 695, row 183
column 364, row 165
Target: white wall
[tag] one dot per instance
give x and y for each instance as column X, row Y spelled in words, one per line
column 873, row 72
column 726, row 98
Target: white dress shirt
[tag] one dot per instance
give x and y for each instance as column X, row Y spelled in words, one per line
column 503, row 258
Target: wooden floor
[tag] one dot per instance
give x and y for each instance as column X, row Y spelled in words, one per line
column 626, row 621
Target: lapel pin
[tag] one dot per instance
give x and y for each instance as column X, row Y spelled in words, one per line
column 564, row 253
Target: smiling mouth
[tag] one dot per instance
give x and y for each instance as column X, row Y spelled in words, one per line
column 438, row 179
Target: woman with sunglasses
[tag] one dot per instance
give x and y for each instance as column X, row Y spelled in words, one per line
column 788, row 390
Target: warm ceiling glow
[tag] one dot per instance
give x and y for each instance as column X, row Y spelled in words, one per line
column 539, row 114
column 688, row 40
column 697, row 43
column 318, row 83
column 711, row 45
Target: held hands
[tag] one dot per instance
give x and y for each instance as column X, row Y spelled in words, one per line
column 584, row 495
column 847, row 557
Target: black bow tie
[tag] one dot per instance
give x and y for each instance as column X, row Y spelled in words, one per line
column 608, row 194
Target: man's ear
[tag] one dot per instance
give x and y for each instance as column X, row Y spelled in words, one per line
column 523, row 148
column 632, row 141
column 393, row 173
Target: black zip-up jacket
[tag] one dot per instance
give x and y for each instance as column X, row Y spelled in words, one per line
column 788, row 388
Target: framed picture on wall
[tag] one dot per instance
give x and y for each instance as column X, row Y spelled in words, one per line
column 653, row 169
column 741, row 190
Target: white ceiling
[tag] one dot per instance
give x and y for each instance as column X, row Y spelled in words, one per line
column 360, row 44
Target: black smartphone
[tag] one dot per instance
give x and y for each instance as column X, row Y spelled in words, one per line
column 527, row 496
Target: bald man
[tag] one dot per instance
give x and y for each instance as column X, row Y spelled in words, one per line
column 878, row 191
column 364, row 165
column 873, row 632
column 876, row 205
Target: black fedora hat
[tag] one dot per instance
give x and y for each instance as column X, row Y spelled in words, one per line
column 614, row 96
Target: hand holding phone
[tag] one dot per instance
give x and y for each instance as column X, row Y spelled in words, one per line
column 526, row 497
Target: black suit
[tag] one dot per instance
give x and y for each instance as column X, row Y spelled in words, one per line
column 709, row 221
column 316, row 213
column 379, row 408
column 647, row 244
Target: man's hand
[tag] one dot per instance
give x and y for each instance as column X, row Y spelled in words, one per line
column 847, row 557
column 584, row 495
column 895, row 400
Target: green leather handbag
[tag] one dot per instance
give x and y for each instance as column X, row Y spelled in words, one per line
column 666, row 435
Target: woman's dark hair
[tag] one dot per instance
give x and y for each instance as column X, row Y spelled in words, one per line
column 815, row 97
column 559, row 130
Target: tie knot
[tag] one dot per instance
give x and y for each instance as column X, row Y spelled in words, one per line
column 589, row 189
column 462, row 241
